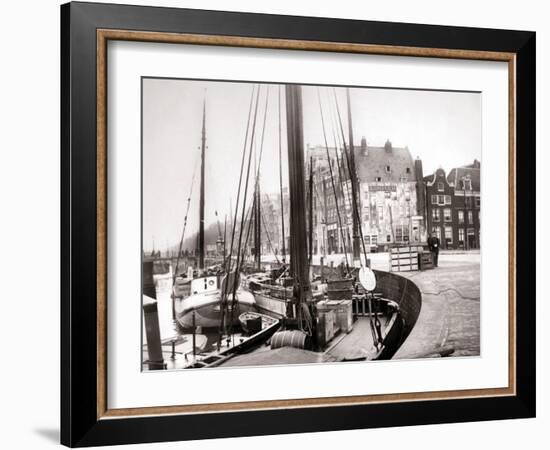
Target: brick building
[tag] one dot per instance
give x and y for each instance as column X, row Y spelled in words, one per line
column 453, row 206
column 439, row 208
column 466, row 181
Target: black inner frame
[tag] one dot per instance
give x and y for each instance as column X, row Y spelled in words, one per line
column 79, row 424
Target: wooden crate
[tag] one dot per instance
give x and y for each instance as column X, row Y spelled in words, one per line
column 404, row 258
column 425, row 260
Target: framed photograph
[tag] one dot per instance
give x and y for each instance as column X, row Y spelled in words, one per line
column 276, row 224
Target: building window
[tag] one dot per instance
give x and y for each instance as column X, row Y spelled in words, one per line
column 402, row 233
column 447, row 215
column 470, row 217
column 436, row 231
column 478, row 202
column 378, row 179
column 449, row 235
column 467, row 183
column 380, row 212
column 461, row 217
column 461, row 237
column 435, row 215
column 388, row 169
column 367, row 240
column 441, row 200
column 374, row 239
column 440, row 186
column 408, row 170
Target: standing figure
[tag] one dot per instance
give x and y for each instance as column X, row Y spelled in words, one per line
column 433, row 244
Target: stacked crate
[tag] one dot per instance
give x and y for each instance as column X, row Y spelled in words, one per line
column 404, row 258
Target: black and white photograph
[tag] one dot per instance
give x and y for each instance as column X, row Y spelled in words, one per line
column 301, row 224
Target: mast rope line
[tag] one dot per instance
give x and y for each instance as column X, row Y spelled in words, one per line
column 240, row 248
column 281, row 181
column 246, row 184
column 354, row 206
column 268, row 238
column 332, row 182
column 223, row 299
column 184, row 224
column 375, row 330
column 250, row 107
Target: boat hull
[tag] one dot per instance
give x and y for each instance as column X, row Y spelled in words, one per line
column 206, row 307
column 266, row 303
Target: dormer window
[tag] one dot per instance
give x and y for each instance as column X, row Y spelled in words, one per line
column 440, row 186
column 467, row 184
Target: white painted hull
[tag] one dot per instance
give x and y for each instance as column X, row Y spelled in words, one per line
column 207, row 309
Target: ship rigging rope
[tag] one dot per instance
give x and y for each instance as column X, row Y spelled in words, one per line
column 241, row 249
column 332, row 182
column 245, row 194
column 281, row 179
column 374, row 321
column 354, row 206
column 223, row 299
column 250, row 107
column 256, row 184
column 268, row 237
column 340, row 164
column 184, row 226
column 257, row 176
column 341, row 180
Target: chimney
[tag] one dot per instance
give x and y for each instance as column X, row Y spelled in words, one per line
column 420, row 192
column 418, row 171
column 364, row 150
column 388, row 146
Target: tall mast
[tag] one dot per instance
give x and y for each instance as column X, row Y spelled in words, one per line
column 299, row 266
column 201, row 214
column 354, row 187
column 257, row 218
column 310, row 210
column 281, row 182
column 258, row 230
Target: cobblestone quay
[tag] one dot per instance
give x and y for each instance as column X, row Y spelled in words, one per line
column 450, row 315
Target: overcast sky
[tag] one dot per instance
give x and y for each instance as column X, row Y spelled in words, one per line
column 442, row 128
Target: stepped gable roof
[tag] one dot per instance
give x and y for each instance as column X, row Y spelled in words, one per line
column 430, row 179
column 473, row 171
column 372, row 165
